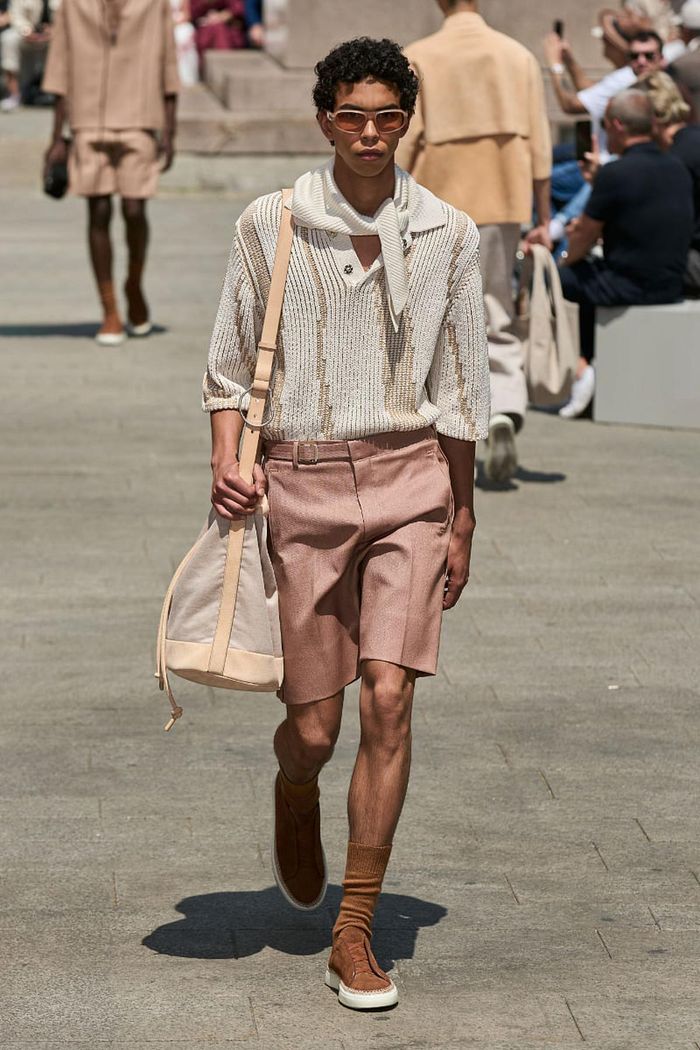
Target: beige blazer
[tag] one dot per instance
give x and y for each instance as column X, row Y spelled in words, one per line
column 113, row 84
column 480, row 134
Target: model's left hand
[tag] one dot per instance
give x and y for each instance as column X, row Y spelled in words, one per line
column 458, row 559
column 167, row 151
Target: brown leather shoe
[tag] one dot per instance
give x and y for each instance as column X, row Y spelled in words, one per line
column 298, row 860
column 355, row 974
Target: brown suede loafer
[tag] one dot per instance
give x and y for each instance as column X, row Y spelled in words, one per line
column 356, row 976
column 298, row 860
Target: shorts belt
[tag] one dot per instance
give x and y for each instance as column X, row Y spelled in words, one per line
column 308, row 453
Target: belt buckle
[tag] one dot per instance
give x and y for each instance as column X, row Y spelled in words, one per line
column 304, row 457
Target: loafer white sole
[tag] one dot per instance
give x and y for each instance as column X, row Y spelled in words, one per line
column 361, row 1000
column 280, row 881
column 141, row 330
column 110, row 338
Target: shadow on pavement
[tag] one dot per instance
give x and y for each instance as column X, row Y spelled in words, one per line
column 58, row 331
column 540, row 477
column 237, row 925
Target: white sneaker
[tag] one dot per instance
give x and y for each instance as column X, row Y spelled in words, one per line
column 9, row 104
column 501, row 457
column 582, row 391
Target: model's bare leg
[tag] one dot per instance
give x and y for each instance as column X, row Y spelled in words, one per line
column 380, row 777
column 375, row 801
column 100, row 243
column 304, row 742
column 137, row 235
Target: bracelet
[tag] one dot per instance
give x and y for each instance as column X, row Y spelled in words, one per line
column 558, row 69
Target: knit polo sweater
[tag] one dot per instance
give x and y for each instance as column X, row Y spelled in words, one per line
column 341, row 370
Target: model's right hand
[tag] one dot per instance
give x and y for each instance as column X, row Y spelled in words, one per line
column 57, row 153
column 231, row 496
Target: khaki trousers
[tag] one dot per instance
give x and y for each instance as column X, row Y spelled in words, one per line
column 499, row 243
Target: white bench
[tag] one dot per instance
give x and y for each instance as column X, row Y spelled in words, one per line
column 647, row 362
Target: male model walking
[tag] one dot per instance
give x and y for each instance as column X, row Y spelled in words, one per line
column 379, row 395
column 481, row 141
column 113, row 67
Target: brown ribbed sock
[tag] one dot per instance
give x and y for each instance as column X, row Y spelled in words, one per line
column 364, row 873
column 302, row 798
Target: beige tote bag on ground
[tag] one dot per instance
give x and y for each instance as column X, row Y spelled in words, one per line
column 549, row 329
column 219, row 624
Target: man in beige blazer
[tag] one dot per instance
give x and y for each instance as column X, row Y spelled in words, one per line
column 113, row 68
column 480, row 140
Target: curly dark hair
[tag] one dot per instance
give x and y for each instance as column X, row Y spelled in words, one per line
column 357, row 59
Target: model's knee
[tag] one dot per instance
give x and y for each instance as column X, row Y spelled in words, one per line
column 310, row 741
column 386, row 707
column 133, row 211
column 100, row 213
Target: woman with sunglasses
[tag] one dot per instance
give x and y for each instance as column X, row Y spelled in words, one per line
column 381, row 390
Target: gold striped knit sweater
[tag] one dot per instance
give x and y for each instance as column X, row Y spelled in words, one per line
column 342, row 371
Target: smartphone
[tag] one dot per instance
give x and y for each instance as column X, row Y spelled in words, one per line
column 559, row 28
column 584, row 140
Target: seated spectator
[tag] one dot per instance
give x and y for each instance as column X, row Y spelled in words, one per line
column 11, row 101
column 681, row 139
column 25, row 44
column 686, row 69
column 187, row 58
column 642, row 207
column 254, row 23
column 628, row 44
column 219, row 25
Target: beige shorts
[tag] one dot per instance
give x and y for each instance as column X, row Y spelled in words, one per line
column 101, row 163
column 359, row 545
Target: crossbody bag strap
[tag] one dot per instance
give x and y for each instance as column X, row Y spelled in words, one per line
column 251, row 437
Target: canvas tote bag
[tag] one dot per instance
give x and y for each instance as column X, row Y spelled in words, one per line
column 219, row 624
column 549, row 325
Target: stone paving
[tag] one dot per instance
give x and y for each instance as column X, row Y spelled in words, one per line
column 545, row 885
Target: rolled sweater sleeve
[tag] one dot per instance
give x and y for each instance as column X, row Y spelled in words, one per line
column 458, row 382
column 234, row 341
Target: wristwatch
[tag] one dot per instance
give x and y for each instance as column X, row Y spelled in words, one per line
column 557, row 68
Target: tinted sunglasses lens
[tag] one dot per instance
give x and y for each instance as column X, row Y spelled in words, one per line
column 390, row 120
column 350, row 120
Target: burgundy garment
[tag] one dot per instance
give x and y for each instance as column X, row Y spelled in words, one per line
column 222, row 36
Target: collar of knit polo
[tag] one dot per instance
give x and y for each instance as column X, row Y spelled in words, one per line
column 317, row 203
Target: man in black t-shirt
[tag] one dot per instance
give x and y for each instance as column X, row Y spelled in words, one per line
column 642, row 207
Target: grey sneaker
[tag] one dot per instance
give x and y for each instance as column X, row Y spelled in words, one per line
column 501, row 456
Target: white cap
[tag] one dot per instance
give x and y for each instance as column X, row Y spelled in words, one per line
column 689, row 15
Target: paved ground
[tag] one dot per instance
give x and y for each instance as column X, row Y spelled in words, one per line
column 545, row 885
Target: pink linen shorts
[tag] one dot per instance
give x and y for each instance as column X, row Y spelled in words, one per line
column 101, row 163
column 359, row 532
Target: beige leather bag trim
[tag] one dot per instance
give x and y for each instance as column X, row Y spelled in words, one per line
column 250, row 671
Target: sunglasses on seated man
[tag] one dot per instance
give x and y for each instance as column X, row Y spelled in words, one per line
column 644, row 56
column 354, row 121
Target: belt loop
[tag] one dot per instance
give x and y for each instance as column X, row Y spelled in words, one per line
column 295, row 455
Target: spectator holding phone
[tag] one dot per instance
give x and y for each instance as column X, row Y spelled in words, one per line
column 629, row 44
column 642, row 208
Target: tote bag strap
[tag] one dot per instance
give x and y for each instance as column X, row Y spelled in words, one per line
column 251, row 438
